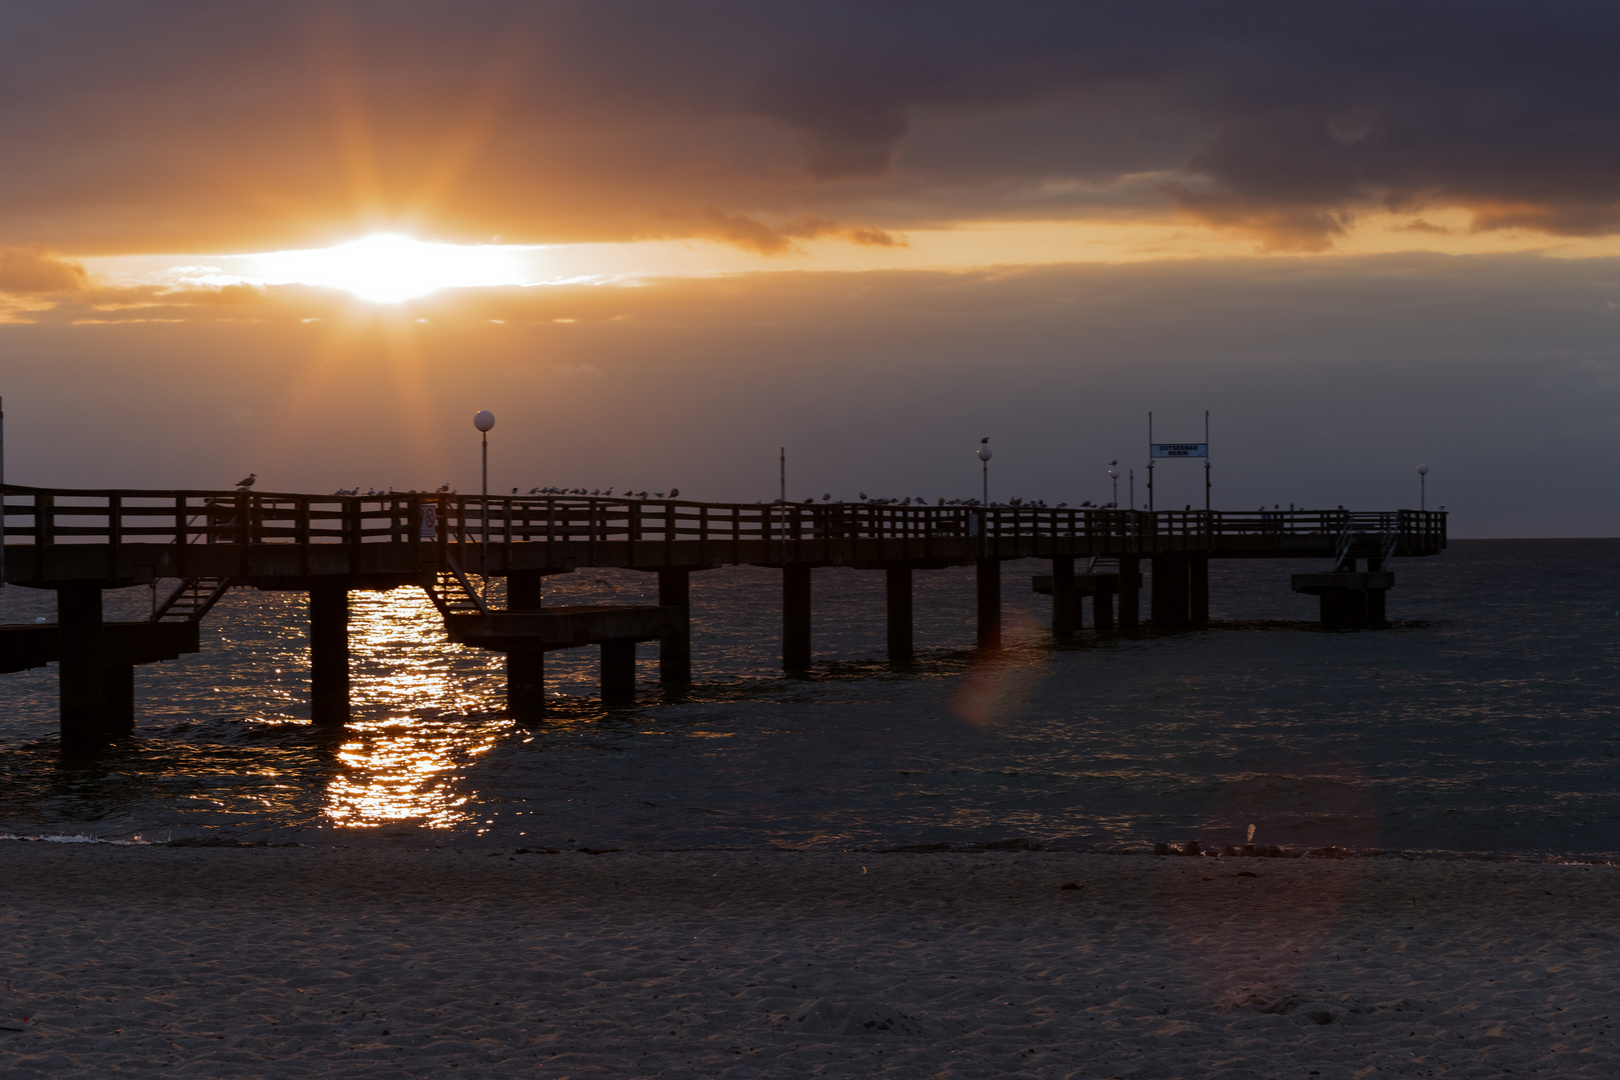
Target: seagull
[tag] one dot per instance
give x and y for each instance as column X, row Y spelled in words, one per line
column 674, row 492
column 443, row 488
column 245, row 484
column 658, row 494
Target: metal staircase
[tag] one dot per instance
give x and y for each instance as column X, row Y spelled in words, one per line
column 1353, row 545
column 192, row 599
column 452, row 593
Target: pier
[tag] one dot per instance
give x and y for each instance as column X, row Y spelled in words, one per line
column 81, row 542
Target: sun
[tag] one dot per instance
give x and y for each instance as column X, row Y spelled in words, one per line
column 387, row 268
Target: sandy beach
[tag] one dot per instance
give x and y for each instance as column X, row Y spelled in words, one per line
column 357, row 962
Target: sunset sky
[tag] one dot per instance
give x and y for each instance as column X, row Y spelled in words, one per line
column 660, row 240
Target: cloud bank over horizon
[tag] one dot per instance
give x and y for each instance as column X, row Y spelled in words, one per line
column 188, row 126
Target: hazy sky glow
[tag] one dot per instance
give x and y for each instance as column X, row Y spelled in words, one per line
column 658, row 236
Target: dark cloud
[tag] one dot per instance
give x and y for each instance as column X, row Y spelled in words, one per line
column 196, row 126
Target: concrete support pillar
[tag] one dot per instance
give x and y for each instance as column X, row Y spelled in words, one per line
column 329, row 654
column 675, row 644
column 1330, row 609
column 526, row 685
column 795, row 617
column 897, row 602
column 1376, row 612
column 525, row 668
column 1171, row 593
column 618, row 673
column 1064, row 608
column 1198, row 583
column 1375, row 608
column 1180, row 592
column 1159, row 596
column 523, row 590
column 1346, row 609
column 1130, row 595
column 82, row 691
column 989, row 595
column 1102, row 608
column 117, row 698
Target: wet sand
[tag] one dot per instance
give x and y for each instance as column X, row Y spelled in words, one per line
column 360, row 962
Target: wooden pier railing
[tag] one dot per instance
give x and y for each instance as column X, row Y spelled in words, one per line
column 68, row 516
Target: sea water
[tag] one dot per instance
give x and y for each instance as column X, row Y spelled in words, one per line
column 1486, row 720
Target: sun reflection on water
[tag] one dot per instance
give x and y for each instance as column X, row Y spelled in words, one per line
column 420, row 722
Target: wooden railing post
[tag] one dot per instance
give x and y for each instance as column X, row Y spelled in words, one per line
column 443, row 538
column 115, row 532
column 413, row 517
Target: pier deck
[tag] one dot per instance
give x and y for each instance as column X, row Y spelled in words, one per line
column 79, row 542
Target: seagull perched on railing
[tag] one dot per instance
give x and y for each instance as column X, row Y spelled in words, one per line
column 674, row 492
column 243, row 485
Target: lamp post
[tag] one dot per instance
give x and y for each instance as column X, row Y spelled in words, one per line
column 985, row 454
column 1150, row 468
column 1113, row 474
column 483, row 420
column 1423, row 477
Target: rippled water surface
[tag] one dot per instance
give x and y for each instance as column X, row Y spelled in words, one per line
column 1485, row 721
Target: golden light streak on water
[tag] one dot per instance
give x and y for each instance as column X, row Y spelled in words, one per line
column 415, row 735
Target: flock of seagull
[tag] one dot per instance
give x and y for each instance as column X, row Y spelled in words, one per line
column 446, row 489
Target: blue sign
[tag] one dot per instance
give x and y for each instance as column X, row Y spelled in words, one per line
column 1180, row 449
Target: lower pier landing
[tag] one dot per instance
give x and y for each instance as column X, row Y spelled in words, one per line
column 525, row 636
column 1351, row 600
column 98, row 703
column 1102, row 588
